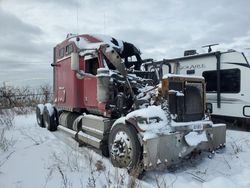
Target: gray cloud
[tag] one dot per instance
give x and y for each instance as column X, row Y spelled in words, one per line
column 58, row 3
column 16, row 36
column 22, row 51
column 161, row 29
column 64, row 3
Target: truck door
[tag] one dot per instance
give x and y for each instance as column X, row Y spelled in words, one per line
column 90, row 82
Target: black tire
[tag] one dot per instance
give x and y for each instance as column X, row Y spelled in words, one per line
column 56, row 116
column 105, row 150
column 50, row 121
column 39, row 117
column 133, row 161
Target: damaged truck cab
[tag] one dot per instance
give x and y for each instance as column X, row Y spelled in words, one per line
column 103, row 99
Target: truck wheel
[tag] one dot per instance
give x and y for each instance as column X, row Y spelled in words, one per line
column 105, row 150
column 49, row 120
column 124, row 147
column 39, row 117
column 56, row 116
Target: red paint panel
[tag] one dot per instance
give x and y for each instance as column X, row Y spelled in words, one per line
column 90, row 92
column 66, row 85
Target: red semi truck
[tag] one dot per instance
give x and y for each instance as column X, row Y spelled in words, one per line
column 103, row 99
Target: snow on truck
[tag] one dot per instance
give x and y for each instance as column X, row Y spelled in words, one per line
column 103, row 99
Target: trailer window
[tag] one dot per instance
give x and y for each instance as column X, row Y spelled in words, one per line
column 229, row 81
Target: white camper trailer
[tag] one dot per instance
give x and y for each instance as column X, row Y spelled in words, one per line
column 227, row 76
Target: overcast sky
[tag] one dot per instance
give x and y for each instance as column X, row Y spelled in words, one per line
column 29, row 29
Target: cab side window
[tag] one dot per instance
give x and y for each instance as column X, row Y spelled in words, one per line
column 61, row 53
column 91, row 66
column 69, row 49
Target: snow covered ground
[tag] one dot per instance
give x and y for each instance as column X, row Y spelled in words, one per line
column 34, row 157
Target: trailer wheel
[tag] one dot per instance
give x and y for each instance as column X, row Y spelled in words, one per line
column 124, row 147
column 39, row 117
column 50, row 121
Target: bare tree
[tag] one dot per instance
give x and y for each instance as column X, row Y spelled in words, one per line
column 11, row 96
column 46, row 90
